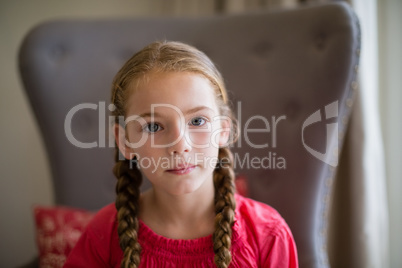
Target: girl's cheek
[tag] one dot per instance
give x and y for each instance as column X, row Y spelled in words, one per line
column 200, row 139
column 138, row 139
column 159, row 140
column 135, row 134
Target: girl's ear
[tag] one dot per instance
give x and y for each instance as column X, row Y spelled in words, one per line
column 225, row 132
column 121, row 141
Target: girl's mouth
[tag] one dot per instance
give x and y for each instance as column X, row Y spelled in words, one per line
column 181, row 170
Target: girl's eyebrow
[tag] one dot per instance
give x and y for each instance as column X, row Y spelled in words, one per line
column 197, row 109
column 190, row 111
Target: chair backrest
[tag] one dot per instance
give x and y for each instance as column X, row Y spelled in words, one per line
column 290, row 74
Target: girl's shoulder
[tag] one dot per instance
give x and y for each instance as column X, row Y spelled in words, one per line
column 247, row 206
column 102, row 227
column 104, row 218
column 98, row 245
column 263, row 230
column 259, row 218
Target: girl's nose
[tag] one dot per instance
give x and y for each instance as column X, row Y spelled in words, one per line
column 179, row 144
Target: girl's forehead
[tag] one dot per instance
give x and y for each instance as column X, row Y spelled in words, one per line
column 182, row 90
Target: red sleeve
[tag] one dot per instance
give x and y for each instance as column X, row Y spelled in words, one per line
column 269, row 234
column 85, row 254
column 98, row 246
column 279, row 249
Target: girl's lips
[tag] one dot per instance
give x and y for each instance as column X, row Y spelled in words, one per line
column 182, row 170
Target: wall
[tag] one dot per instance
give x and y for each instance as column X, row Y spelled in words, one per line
column 24, row 172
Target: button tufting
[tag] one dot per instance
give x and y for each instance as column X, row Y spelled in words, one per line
column 323, row 232
column 340, row 135
column 354, row 85
column 336, row 152
column 356, row 68
column 344, row 120
column 349, row 102
column 321, row 40
column 328, row 200
column 58, row 52
column 292, row 109
column 334, row 162
column 328, row 182
column 324, row 260
column 324, row 215
column 262, row 50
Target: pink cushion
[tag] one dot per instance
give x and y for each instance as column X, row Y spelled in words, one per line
column 57, row 231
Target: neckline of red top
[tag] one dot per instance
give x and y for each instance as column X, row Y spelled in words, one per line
column 202, row 245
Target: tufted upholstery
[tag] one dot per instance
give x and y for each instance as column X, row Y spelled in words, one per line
column 283, row 66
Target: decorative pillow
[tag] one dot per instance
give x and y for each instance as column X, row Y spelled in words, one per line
column 57, row 231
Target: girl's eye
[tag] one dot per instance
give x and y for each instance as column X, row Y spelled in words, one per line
column 152, row 127
column 198, row 121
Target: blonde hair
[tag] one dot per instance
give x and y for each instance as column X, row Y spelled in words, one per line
column 171, row 57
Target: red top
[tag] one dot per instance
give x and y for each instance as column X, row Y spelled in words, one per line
column 261, row 238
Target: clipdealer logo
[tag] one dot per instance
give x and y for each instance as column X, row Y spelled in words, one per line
column 270, row 127
column 331, row 111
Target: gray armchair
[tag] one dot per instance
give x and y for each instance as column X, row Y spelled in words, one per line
column 284, row 66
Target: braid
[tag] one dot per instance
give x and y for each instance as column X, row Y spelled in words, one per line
column 127, row 204
column 225, row 205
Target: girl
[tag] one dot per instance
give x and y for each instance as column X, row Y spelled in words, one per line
column 174, row 125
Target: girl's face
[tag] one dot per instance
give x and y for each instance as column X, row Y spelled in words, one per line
column 174, row 129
